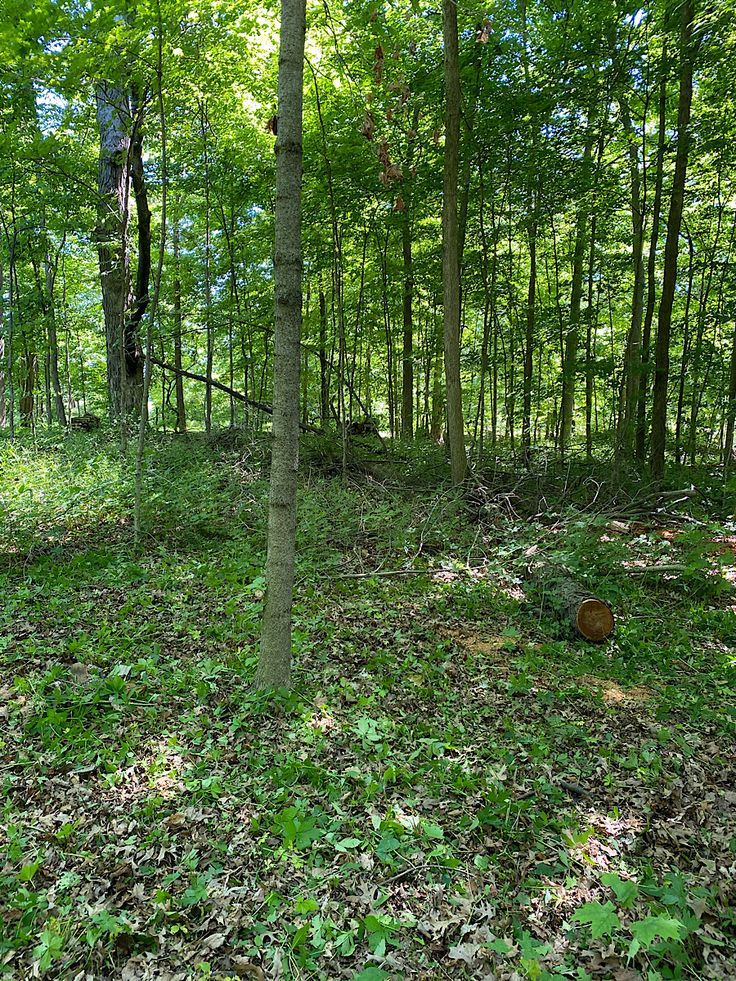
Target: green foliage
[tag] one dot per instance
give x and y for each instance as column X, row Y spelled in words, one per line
column 371, row 821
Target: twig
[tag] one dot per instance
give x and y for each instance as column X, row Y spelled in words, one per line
column 382, row 572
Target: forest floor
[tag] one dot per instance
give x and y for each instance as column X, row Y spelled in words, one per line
column 455, row 788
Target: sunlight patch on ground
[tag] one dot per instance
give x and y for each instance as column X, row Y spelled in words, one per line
column 157, row 773
column 495, row 647
column 613, row 694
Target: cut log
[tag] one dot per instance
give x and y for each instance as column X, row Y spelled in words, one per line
column 593, row 618
column 87, row 422
column 557, row 593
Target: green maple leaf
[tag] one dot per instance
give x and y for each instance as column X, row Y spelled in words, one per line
column 647, row 930
column 601, row 918
column 625, row 890
column 371, row 974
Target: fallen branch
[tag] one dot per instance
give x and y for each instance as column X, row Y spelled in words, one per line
column 665, row 495
column 383, row 572
column 640, row 570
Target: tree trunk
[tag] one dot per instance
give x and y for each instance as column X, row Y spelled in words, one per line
column 207, row 273
column 674, row 222
column 407, row 363
column 730, row 410
column 324, row 384
column 529, row 335
column 28, row 391
column 590, row 316
column 632, row 358
column 407, row 358
column 3, row 409
column 140, row 300
column 181, row 412
column 274, row 662
column 569, row 365
column 112, row 239
column 53, row 343
column 451, row 245
column 438, row 407
column 685, row 359
column 120, row 162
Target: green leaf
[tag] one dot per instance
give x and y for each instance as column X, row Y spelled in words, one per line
column 626, row 891
column 646, row 931
column 371, row 974
column 195, row 893
column 602, row 919
column 28, row 872
column 345, row 844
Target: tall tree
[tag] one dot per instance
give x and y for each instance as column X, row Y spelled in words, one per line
column 451, row 244
column 274, row 662
column 119, row 119
column 674, row 222
column 569, row 364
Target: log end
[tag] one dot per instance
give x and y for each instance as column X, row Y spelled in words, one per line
column 594, row 619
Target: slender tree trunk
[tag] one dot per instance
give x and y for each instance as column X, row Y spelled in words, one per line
column 632, row 358
column 54, row 379
column 274, row 662
column 700, row 384
column 148, row 367
column 438, row 405
column 488, row 304
column 11, row 338
column 641, row 411
column 674, row 222
column 451, row 245
column 407, row 356
column 569, row 365
column 324, row 384
column 685, row 350
column 28, row 391
column 529, row 335
column 390, row 386
column 407, row 364
column 728, row 443
column 204, row 122
column 590, row 316
column 181, row 412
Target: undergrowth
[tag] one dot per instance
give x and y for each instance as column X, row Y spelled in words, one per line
column 456, row 787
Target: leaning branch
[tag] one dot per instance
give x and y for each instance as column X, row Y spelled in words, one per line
column 263, row 406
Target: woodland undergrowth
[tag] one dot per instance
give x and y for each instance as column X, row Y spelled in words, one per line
column 456, row 787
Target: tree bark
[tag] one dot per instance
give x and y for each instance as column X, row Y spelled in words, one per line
column 730, row 410
column 569, row 365
column 274, row 662
column 407, row 364
column 120, row 163
column 324, row 382
column 632, row 357
column 54, row 379
column 641, row 411
column 112, row 220
column 529, row 335
column 181, row 411
column 451, row 245
column 674, row 222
